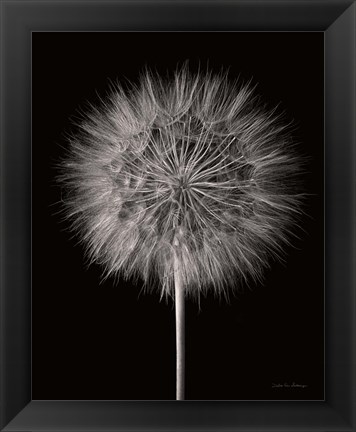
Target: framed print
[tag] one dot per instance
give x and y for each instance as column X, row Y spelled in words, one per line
column 177, row 216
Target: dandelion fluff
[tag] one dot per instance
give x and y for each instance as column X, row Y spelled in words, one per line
column 190, row 171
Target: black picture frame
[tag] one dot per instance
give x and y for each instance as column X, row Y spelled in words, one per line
column 19, row 19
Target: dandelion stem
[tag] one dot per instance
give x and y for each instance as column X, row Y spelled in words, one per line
column 180, row 326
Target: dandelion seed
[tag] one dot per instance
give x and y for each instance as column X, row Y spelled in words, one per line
column 190, row 182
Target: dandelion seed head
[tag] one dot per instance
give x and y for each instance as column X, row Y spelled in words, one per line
column 191, row 168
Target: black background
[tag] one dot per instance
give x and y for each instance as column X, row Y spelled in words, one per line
column 95, row 340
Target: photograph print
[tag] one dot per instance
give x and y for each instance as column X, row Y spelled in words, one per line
column 178, row 216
